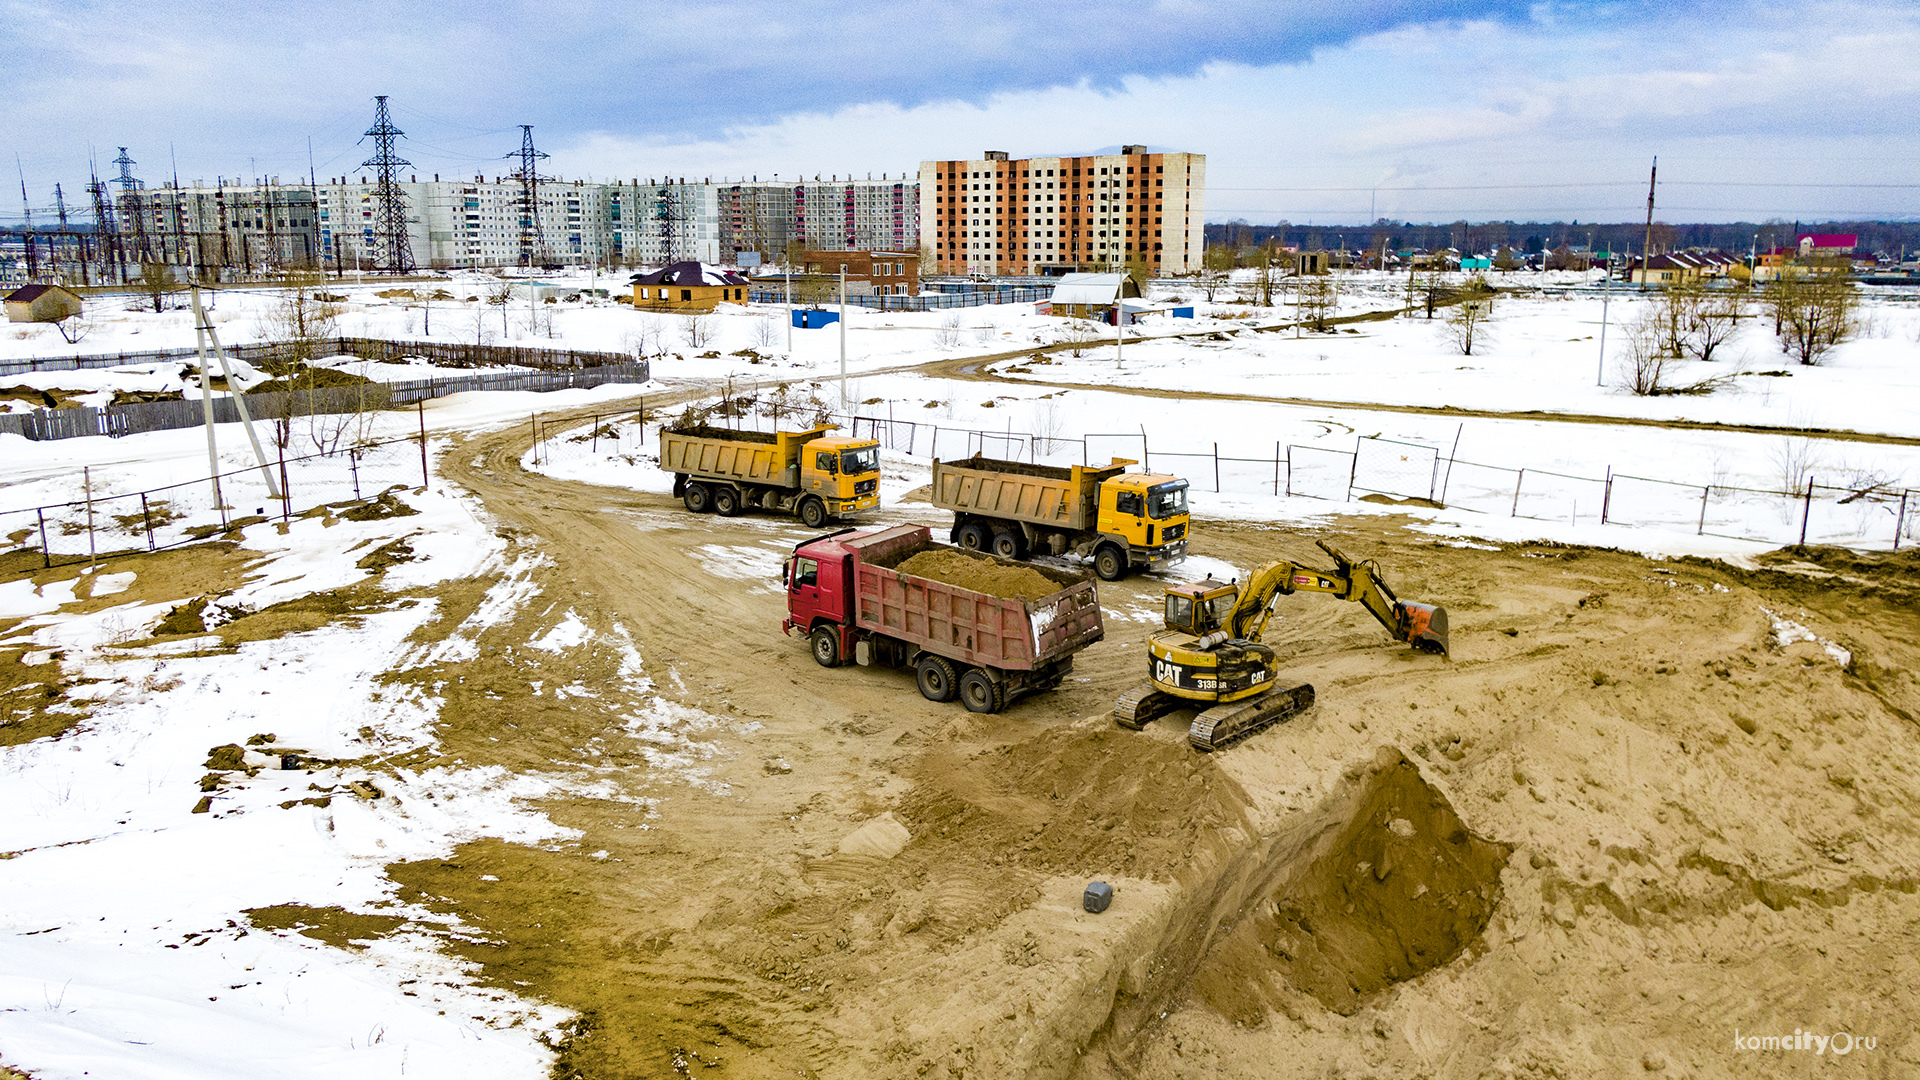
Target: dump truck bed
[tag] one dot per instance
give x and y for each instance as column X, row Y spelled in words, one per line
column 1060, row 498
column 759, row 457
column 1013, row 634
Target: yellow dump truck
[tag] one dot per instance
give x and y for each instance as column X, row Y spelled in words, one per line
column 809, row 473
column 1118, row 519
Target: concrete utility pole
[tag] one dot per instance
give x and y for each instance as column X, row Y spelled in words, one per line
column 203, row 332
column 1646, row 249
column 843, row 335
column 1119, row 317
column 1606, row 297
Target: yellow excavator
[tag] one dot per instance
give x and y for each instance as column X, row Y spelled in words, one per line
column 1209, row 656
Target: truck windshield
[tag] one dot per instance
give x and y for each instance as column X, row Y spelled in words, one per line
column 864, row 460
column 1167, row 500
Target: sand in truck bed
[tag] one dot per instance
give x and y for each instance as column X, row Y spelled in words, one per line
column 979, row 575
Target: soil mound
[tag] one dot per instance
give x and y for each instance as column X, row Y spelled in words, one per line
column 1074, row 800
column 980, row 575
column 1402, row 888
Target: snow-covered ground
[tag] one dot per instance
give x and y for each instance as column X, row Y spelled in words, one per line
column 123, row 950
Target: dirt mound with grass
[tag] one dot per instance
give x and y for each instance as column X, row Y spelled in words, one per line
column 1401, row 888
column 979, row 575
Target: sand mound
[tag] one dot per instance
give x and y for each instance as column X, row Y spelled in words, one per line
column 1401, row 888
column 1080, row 801
column 980, row 575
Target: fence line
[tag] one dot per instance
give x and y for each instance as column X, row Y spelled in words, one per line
column 131, row 419
column 1431, row 475
column 1015, row 294
column 441, row 353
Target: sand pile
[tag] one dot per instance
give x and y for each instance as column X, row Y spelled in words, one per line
column 1402, row 888
column 980, row 575
column 1078, row 800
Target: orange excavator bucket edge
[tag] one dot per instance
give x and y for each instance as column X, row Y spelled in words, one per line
column 1426, row 627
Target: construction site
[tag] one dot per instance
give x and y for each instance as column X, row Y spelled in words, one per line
column 548, row 746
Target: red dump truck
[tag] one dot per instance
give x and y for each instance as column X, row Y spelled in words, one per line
column 845, row 595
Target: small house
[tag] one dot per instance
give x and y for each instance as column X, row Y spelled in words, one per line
column 687, row 286
column 42, row 303
column 1090, row 296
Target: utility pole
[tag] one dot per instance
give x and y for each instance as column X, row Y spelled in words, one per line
column 843, row 335
column 204, row 326
column 531, row 241
column 1646, row 249
column 390, row 203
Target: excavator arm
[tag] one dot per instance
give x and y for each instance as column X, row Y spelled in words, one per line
column 1423, row 626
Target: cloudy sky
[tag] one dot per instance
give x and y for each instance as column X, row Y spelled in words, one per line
column 1320, row 112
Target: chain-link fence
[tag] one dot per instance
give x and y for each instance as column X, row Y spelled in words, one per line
column 1876, row 515
column 107, row 519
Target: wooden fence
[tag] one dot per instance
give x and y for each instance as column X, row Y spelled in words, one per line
column 116, row 420
column 440, row 353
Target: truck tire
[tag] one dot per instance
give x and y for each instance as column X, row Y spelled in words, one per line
column 726, row 502
column 973, row 536
column 698, row 499
column 813, row 512
column 1110, row 563
column 1009, row 544
column 980, row 693
column 936, row 677
column 826, row 646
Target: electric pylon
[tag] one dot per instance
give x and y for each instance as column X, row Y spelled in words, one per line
column 390, row 202
column 532, row 245
column 130, row 204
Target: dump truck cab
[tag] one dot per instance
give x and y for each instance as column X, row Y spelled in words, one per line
column 843, row 472
column 1148, row 511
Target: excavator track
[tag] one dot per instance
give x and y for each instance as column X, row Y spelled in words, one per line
column 1143, row 704
column 1225, row 724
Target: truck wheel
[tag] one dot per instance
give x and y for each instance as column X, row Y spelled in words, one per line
column 826, row 646
column 726, row 501
column 813, row 512
column 935, row 676
column 698, row 499
column 973, row 536
column 1009, row 544
column 1110, row 563
column 979, row 693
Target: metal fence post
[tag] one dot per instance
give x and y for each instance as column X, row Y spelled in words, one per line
column 1289, row 472
column 46, row 554
column 146, row 519
column 1704, row 493
column 1606, row 499
column 1276, row 468
column 421, row 410
column 1353, row 473
column 353, row 466
column 1515, row 512
column 1900, row 520
column 286, row 492
column 1806, row 512
column 1216, row 468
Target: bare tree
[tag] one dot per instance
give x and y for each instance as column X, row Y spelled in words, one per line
column 1645, row 356
column 766, row 331
column 500, row 294
column 1215, row 263
column 304, row 317
column 1467, row 319
column 155, row 282
column 1812, row 313
column 1317, row 297
column 947, row 334
column 1712, row 320
column 696, row 328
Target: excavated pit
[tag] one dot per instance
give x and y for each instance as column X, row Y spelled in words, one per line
column 1400, row 887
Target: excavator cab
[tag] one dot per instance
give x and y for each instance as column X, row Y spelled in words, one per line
column 1200, row 607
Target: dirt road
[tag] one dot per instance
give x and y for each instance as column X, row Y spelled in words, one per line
column 1624, row 822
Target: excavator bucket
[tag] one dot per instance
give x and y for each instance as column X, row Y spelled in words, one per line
column 1426, row 626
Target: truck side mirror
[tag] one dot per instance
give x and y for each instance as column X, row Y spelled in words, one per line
column 786, row 573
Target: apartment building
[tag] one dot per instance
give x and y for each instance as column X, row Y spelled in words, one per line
column 479, row 222
column 997, row 215
column 255, row 227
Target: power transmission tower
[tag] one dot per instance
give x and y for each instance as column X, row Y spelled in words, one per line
column 390, row 212
column 532, row 242
column 26, row 205
column 106, row 232
column 130, row 196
